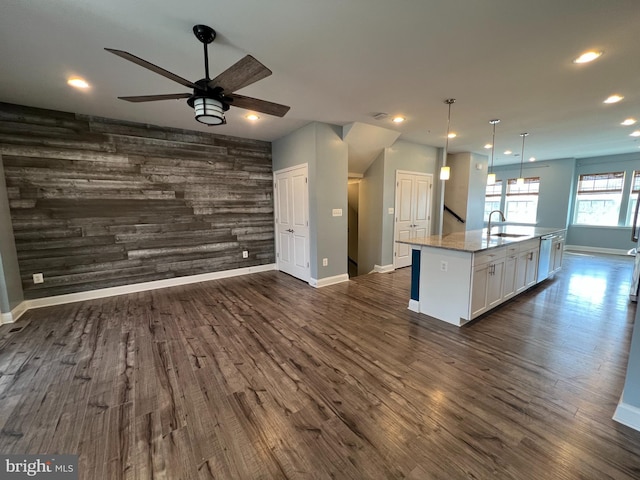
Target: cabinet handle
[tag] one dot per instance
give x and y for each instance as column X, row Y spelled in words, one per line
column 530, row 255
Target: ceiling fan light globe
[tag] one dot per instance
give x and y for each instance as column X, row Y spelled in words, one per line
column 208, row 111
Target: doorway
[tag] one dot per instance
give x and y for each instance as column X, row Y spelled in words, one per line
column 291, row 194
column 412, row 212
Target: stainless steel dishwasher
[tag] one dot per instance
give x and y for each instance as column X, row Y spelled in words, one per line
column 544, row 261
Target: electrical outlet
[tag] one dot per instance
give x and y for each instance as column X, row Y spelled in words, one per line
column 325, row 262
column 38, row 278
column 245, row 254
column 444, row 266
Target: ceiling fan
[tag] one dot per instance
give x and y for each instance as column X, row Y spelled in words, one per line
column 212, row 97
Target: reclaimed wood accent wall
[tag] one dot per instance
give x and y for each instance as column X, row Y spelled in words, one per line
column 99, row 203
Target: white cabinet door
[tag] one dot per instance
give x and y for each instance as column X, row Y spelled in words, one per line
column 510, row 276
column 292, row 222
column 557, row 248
column 532, row 267
column 494, row 283
column 412, row 212
column 522, row 270
column 479, row 286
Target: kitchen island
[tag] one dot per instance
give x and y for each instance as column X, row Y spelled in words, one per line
column 458, row 277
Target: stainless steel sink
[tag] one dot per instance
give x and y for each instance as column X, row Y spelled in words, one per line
column 509, row 235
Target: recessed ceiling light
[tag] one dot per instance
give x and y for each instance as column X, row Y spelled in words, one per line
column 508, row 152
column 628, row 121
column 635, row 133
column 452, row 135
column 78, row 82
column 252, row 116
column 614, row 99
column 587, row 57
column 488, row 146
column 397, row 119
column 532, row 159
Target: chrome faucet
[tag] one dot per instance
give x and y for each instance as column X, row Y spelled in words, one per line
column 489, row 222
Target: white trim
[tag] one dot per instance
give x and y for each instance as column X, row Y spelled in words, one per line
column 627, row 415
column 414, row 306
column 14, row 314
column 324, row 282
column 584, row 248
column 384, row 268
column 141, row 287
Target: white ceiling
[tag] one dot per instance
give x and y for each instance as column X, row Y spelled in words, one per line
column 341, row 61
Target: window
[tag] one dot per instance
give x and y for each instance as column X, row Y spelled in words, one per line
column 522, row 200
column 633, row 196
column 492, row 199
column 598, row 199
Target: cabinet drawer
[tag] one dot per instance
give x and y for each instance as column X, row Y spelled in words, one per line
column 511, row 250
column 529, row 245
column 488, row 256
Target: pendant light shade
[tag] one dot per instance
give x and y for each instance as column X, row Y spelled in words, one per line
column 445, row 171
column 520, row 180
column 491, row 177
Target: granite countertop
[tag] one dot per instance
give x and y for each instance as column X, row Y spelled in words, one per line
column 477, row 240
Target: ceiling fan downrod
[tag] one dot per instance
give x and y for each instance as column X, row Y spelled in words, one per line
column 206, row 35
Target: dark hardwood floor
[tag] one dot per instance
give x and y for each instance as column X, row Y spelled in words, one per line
column 262, row 377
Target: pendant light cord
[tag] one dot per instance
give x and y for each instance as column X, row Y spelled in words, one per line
column 523, row 135
column 448, row 101
column 493, row 141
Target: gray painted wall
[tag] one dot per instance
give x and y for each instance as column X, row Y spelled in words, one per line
column 10, row 284
column 556, row 187
column 605, row 237
column 370, row 218
column 465, row 191
column 321, row 147
column 558, row 183
column 377, row 195
column 330, row 184
column 408, row 156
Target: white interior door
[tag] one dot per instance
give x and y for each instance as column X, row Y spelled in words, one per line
column 413, row 212
column 292, row 221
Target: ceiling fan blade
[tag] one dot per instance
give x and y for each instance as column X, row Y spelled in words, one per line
column 242, row 73
column 258, row 105
column 153, row 98
column 152, row 67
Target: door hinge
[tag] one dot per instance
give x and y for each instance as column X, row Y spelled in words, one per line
column 305, row 180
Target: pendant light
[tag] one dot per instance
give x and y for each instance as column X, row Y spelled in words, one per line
column 491, row 178
column 520, row 180
column 445, row 171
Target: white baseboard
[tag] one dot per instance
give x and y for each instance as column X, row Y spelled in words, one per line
column 383, row 268
column 140, row 287
column 607, row 251
column 414, row 306
column 627, row 415
column 14, row 314
column 323, row 282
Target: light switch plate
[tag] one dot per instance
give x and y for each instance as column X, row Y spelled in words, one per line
column 390, row 211
column 336, row 212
